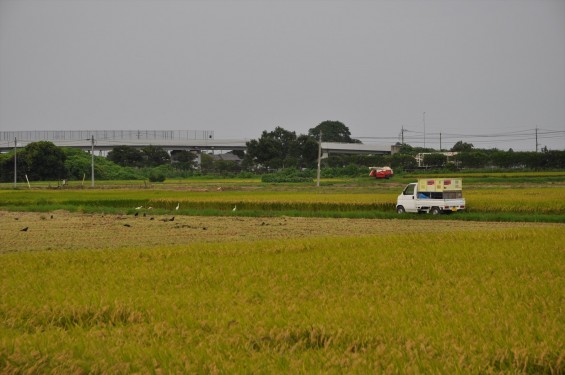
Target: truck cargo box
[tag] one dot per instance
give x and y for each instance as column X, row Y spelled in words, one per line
column 440, row 184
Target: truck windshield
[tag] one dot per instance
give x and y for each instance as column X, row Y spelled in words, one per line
column 409, row 190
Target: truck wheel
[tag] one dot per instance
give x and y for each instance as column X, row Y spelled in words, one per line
column 400, row 210
column 435, row 211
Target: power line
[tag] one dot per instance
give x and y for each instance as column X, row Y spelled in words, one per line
column 521, row 137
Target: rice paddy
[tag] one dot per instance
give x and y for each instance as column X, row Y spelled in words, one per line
column 167, row 291
column 369, row 202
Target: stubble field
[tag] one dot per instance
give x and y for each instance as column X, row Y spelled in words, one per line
column 61, row 230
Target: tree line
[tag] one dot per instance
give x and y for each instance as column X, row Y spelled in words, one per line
column 279, row 149
column 466, row 156
column 282, row 148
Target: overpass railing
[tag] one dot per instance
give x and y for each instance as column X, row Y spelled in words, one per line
column 128, row 135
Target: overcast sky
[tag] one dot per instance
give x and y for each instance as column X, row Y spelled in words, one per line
column 240, row 67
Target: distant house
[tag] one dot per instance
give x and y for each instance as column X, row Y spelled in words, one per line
column 228, row 156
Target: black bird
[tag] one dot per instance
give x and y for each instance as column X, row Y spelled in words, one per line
column 137, row 213
column 24, row 229
column 51, row 216
column 127, row 225
column 172, row 219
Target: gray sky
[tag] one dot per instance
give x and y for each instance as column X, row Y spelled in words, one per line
column 241, row 67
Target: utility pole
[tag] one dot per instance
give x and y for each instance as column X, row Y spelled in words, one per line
column 92, row 160
column 440, row 141
column 536, row 139
column 424, row 120
column 402, row 134
column 15, row 162
column 319, row 159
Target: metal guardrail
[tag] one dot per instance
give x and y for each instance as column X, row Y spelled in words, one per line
column 128, row 135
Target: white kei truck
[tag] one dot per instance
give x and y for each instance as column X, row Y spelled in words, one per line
column 432, row 195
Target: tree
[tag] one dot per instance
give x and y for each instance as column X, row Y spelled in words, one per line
column 126, row 156
column 224, row 166
column 154, row 156
column 435, row 160
column 183, row 159
column 7, row 166
column 403, row 161
column 332, row 131
column 306, row 150
column 475, row 159
column 78, row 163
column 206, row 162
column 556, row 158
column 44, row 160
column 406, row 149
column 502, row 159
column 461, row 146
column 273, row 149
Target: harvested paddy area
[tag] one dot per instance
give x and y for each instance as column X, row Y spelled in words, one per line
column 62, row 230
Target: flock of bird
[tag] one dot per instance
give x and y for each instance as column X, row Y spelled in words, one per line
column 25, row 229
column 178, row 206
column 164, row 219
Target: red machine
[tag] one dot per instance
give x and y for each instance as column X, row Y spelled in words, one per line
column 381, row 172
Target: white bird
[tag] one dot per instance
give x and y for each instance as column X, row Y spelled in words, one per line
column 139, row 208
column 234, row 208
column 177, row 207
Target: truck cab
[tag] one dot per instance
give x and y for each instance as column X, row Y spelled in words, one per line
column 433, row 196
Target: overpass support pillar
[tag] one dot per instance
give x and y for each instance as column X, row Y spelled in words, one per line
column 199, row 160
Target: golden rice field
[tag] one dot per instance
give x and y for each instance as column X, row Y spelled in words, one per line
column 539, row 200
column 86, row 293
column 89, row 284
